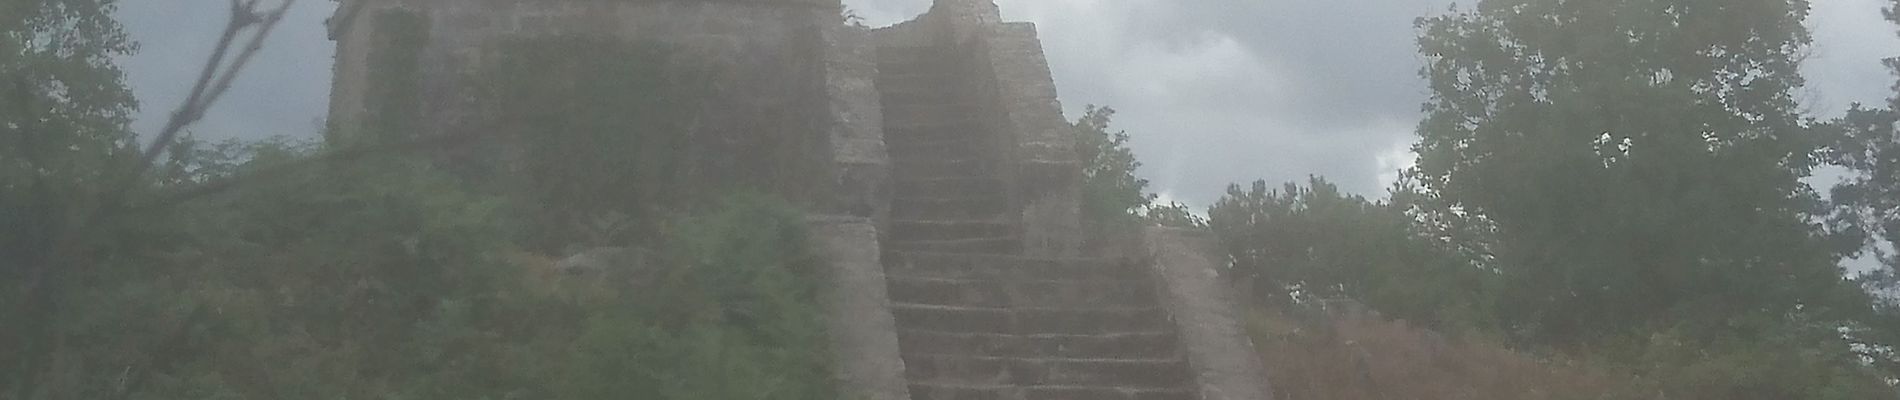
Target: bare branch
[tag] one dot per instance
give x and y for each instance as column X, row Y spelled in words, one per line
column 38, row 303
column 217, row 75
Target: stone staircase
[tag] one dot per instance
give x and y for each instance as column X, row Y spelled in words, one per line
column 975, row 319
column 948, row 196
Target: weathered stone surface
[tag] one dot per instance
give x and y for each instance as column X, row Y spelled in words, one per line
column 946, row 165
column 603, row 259
column 861, row 181
column 963, row 80
column 1207, row 314
column 789, row 106
column 858, row 310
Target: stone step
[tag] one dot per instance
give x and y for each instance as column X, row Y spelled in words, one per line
column 940, row 162
column 924, row 264
column 1023, row 293
column 904, row 78
column 940, row 159
column 908, row 230
column 1036, row 371
column 913, row 144
column 903, row 65
column 904, row 116
column 923, row 96
column 910, row 87
column 982, row 206
column 1158, row 344
column 1020, row 320
column 947, row 187
column 948, row 144
column 921, row 89
column 995, row 245
column 920, row 172
column 956, row 391
column 897, row 130
column 912, row 52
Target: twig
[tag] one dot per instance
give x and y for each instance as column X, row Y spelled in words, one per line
column 39, row 303
column 217, row 75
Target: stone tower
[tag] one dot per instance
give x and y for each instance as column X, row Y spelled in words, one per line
column 792, row 70
column 948, row 182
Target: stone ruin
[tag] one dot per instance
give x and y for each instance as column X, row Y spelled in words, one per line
column 950, row 194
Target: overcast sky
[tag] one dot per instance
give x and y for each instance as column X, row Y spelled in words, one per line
column 1213, row 91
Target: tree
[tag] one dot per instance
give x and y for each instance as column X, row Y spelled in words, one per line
column 348, row 269
column 1866, row 210
column 1110, row 189
column 1313, row 242
column 1640, row 162
column 1867, row 206
column 64, row 109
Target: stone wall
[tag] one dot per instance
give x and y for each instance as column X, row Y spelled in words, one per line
column 858, row 310
column 787, row 76
column 787, row 71
column 791, row 72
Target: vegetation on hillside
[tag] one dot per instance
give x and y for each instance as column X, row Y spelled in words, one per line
column 361, row 268
column 1619, row 182
column 1114, row 196
column 1609, row 203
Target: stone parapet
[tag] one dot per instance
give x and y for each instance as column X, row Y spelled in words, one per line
column 858, row 310
column 1208, row 314
column 785, row 83
column 861, row 178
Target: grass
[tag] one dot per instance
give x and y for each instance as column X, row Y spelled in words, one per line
column 1360, row 355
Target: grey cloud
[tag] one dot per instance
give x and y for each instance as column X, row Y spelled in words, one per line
column 1214, row 91
column 1326, row 88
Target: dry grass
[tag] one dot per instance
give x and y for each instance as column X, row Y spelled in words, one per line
column 1362, row 356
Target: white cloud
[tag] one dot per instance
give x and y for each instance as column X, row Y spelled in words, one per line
column 1850, row 39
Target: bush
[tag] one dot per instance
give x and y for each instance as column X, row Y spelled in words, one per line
column 1352, row 355
column 1304, row 243
column 386, row 279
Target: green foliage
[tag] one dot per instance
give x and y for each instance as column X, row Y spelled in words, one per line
column 315, row 285
column 1174, row 215
column 1641, row 161
column 1110, row 190
column 353, row 269
column 387, row 279
column 64, row 109
column 1867, row 205
column 1632, row 170
column 735, row 319
column 589, row 128
column 1866, row 212
column 394, row 75
column 1309, row 243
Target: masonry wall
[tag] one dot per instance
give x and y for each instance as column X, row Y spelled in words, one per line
column 783, row 73
column 784, row 79
column 1008, row 79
